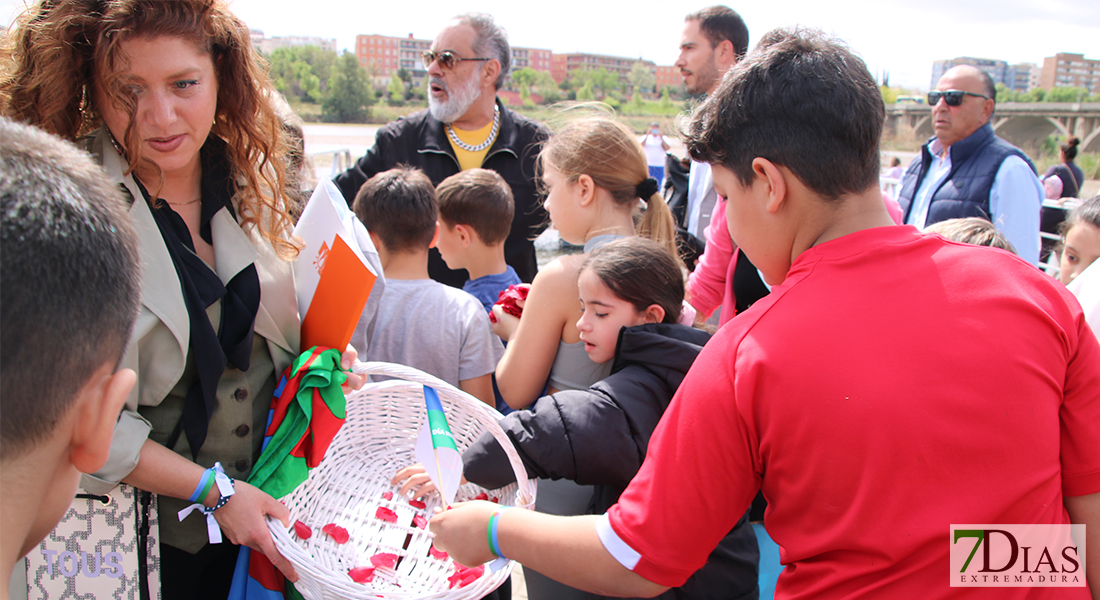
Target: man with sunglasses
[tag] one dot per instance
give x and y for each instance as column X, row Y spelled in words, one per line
column 466, row 126
column 967, row 171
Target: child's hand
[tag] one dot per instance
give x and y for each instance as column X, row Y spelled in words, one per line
column 416, row 484
column 460, row 532
column 354, row 381
column 503, row 324
column 508, row 310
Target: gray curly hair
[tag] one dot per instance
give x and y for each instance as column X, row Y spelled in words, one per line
column 491, row 42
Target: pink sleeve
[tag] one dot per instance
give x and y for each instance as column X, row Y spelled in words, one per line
column 893, row 208
column 1080, row 416
column 707, row 283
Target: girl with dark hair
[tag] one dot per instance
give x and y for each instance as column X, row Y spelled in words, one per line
column 631, row 294
column 174, row 103
column 1080, row 240
column 1071, row 175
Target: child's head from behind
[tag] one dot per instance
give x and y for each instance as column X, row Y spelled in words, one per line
column 70, row 294
column 972, row 230
column 601, row 152
column 625, row 283
column 1080, row 239
column 475, row 206
column 399, row 209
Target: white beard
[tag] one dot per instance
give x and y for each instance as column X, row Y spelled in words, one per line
column 460, row 98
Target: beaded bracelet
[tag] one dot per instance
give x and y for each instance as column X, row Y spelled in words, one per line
column 491, row 532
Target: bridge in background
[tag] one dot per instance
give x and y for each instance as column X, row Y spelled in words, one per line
column 1022, row 123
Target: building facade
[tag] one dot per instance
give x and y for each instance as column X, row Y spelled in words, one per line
column 269, row 45
column 1070, row 70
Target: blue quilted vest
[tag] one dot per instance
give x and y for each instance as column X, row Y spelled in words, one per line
column 965, row 192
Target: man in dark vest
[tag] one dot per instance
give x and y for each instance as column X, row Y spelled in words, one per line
column 966, row 171
column 466, row 126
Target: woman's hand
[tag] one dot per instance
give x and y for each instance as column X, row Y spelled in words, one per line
column 242, row 520
column 354, row 381
column 504, row 325
column 460, row 531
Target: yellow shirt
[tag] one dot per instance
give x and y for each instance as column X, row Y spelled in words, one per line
column 467, row 159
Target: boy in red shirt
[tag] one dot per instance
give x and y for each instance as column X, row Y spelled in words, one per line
column 891, row 385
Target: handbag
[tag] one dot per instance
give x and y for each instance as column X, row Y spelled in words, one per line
column 106, row 546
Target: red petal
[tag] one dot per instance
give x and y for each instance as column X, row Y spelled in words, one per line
column 337, row 533
column 417, row 504
column 362, row 574
column 481, row 496
column 302, row 530
column 468, row 576
column 420, row 521
column 385, row 514
column 437, row 554
column 384, row 560
column 495, row 500
column 387, row 495
column 455, row 578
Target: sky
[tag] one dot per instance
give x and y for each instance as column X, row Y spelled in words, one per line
column 901, row 37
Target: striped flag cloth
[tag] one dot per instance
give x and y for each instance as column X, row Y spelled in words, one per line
column 436, row 450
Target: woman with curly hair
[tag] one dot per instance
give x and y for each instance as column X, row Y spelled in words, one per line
column 173, row 101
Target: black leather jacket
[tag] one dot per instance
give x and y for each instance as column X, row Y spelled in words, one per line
column 418, row 140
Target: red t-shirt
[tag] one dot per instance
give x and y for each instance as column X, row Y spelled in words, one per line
column 895, row 384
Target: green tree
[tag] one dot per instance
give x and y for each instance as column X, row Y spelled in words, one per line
column 1067, row 94
column 300, row 73
column 889, row 95
column 586, row 93
column 396, row 91
column 666, row 99
column 641, row 77
column 349, row 95
column 524, row 79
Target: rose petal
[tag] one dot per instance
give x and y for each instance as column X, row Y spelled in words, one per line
column 417, row 504
column 362, row 574
column 337, row 533
column 437, row 554
column 420, row 521
column 481, row 496
column 464, row 576
column 387, row 495
column 302, row 530
column 385, row 514
column 384, row 560
column 495, row 500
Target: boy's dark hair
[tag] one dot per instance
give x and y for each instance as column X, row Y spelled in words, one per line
column 641, row 272
column 399, row 206
column 802, row 101
column 69, row 282
column 720, row 23
column 480, row 199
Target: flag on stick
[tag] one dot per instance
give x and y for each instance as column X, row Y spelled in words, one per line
column 436, row 450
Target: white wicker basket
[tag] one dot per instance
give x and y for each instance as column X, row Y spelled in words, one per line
column 378, row 438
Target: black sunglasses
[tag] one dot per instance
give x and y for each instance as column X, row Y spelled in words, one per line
column 447, row 59
column 951, row 97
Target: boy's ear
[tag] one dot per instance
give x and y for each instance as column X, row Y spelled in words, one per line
column 464, row 235
column 97, row 407
column 435, row 236
column 775, row 184
column 654, row 313
column 587, row 188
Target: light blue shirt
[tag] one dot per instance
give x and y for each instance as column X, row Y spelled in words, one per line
column 1015, row 200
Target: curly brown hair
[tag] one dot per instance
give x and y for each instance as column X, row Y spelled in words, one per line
column 61, row 50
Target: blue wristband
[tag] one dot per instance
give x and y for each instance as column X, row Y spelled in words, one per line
column 494, row 543
column 195, row 495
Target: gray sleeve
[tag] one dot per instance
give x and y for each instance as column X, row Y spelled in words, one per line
column 129, row 436
column 481, row 348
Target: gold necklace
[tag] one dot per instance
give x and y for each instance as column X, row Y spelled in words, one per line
column 182, row 203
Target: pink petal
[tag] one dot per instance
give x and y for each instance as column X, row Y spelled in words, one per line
column 417, row 504
column 387, row 495
column 384, row 560
column 385, row 514
column 420, row 521
column 437, row 554
column 302, row 530
column 337, row 533
column 362, row 574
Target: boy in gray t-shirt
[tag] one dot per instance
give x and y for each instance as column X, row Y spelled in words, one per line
column 421, row 323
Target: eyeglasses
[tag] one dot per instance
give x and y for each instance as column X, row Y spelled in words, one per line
column 447, row 59
column 951, row 97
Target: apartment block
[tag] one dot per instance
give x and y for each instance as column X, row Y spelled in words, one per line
column 1070, row 70
column 269, row 45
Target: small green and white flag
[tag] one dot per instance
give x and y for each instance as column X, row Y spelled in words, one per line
column 436, row 450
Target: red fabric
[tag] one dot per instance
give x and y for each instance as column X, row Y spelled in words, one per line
column 895, row 384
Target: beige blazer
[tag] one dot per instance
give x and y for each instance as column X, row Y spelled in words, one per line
column 157, row 350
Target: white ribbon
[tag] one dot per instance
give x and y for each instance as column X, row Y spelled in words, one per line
column 225, row 489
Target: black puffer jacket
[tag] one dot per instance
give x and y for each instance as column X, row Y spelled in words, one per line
column 418, row 140
column 599, row 437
